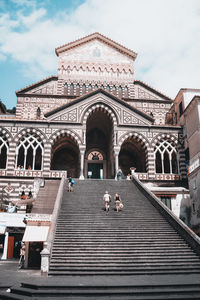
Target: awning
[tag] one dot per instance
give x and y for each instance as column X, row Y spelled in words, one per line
column 35, row 234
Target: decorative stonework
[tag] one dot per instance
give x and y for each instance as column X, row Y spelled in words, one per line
column 8, row 189
column 70, row 116
column 117, row 112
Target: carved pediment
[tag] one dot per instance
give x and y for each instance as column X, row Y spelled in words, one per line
column 78, row 110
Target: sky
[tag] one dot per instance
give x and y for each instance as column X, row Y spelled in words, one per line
column 164, row 33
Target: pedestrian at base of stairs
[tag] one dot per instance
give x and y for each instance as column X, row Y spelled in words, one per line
column 70, row 184
column 118, row 202
column 106, row 200
column 22, row 256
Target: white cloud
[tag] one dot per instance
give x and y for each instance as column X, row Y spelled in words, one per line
column 166, row 35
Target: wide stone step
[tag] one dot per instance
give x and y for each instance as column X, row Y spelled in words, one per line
column 113, row 258
column 123, row 252
column 104, row 292
column 123, row 267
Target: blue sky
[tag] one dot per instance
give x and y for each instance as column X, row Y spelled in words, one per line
column 164, row 33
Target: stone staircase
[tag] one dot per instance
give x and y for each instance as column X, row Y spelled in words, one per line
column 137, row 240
column 45, row 201
column 93, row 249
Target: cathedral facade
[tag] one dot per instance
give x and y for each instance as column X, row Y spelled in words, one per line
column 89, row 120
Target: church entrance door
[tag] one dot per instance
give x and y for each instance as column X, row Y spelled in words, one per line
column 95, row 170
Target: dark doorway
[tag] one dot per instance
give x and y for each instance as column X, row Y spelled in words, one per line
column 95, row 168
column 132, row 155
column 65, row 156
column 34, row 257
column 99, row 137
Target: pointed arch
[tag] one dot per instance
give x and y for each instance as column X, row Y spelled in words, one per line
column 65, row 152
column 4, row 149
column 165, row 154
column 30, row 151
column 99, row 107
column 133, row 153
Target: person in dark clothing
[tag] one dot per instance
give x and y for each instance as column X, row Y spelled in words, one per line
column 118, row 202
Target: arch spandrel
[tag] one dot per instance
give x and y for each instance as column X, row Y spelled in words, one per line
column 135, row 135
column 26, row 131
column 159, row 136
column 4, row 132
column 70, row 133
column 75, row 112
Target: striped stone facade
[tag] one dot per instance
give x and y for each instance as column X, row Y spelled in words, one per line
column 95, row 76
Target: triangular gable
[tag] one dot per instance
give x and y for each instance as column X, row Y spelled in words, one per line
column 144, row 91
column 45, row 86
column 74, row 112
column 100, row 37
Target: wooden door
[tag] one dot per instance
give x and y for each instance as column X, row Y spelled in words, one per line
column 10, row 246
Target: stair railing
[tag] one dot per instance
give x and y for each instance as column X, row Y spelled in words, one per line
column 55, row 213
column 189, row 236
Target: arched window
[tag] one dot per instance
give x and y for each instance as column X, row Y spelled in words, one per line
column 165, row 157
column 108, row 88
column 29, row 153
column 3, row 152
column 120, row 91
column 83, row 88
column 71, row 89
column 89, row 88
column 125, row 92
column 66, row 89
column 78, row 89
column 96, row 87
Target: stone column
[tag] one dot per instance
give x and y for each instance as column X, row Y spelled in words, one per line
column 116, row 153
column 5, row 249
column 46, row 159
column 150, row 163
column 82, row 152
column 11, row 160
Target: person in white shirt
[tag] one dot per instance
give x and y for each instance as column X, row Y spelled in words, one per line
column 106, row 200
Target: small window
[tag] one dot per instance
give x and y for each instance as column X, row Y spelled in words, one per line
column 71, row 89
column 120, row 92
column 126, row 92
column 180, row 108
column 166, row 200
column 66, row 89
column 83, row 88
column 78, row 89
column 108, row 88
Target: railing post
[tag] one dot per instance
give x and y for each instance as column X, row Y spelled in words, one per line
column 45, row 260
